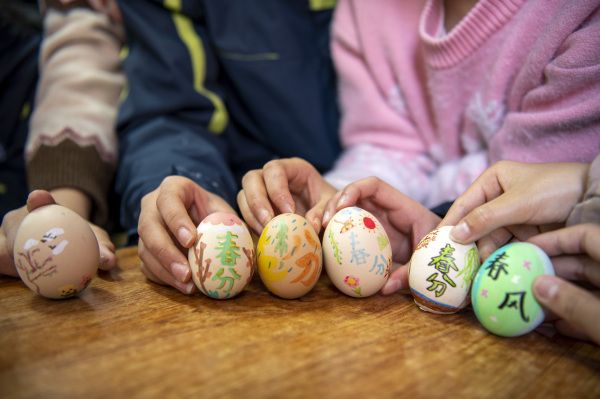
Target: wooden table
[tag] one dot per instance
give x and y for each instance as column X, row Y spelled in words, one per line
column 125, row 337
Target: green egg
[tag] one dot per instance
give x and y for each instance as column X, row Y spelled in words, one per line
column 502, row 293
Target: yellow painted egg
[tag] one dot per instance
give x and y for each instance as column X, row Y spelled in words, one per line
column 289, row 256
column 222, row 259
column 56, row 252
column 357, row 252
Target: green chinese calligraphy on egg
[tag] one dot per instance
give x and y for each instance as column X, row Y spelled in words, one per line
column 502, row 293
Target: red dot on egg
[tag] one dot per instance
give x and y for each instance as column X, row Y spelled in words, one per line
column 369, row 223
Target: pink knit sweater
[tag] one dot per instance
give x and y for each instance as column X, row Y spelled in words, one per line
column 428, row 111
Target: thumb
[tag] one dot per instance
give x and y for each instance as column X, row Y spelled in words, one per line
column 39, row 198
column 315, row 215
column 576, row 306
column 398, row 281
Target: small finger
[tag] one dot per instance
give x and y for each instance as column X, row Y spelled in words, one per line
column 38, row 198
column 567, row 329
column 577, row 268
column 494, row 240
column 156, row 240
column 315, row 215
column 156, row 270
column 277, row 186
column 577, row 307
column 485, row 188
column 247, row 214
column 397, row 281
column 578, row 239
column 175, row 196
column 256, row 197
column 330, row 208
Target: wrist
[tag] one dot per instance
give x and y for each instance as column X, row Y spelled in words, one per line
column 73, row 199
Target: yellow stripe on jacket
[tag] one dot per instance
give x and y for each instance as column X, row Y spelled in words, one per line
column 187, row 34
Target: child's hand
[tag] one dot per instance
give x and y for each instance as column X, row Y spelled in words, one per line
column 167, row 227
column 12, row 221
column 405, row 220
column 284, row 185
column 512, row 199
column 578, row 309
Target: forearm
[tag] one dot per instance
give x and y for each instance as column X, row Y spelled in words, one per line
column 73, row 199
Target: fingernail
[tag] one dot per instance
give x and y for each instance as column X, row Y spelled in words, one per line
column 184, row 236
column 316, row 225
column 460, row 232
column 181, row 272
column 342, row 200
column 264, row 216
column 546, row 288
column 326, row 217
column 486, row 250
column 391, row 286
column 289, row 208
column 104, row 255
column 185, row 288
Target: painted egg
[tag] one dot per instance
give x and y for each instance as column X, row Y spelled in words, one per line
column 56, row 252
column 441, row 272
column 289, row 256
column 502, row 295
column 356, row 252
column 222, row 259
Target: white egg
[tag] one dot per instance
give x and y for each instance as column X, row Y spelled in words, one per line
column 441, row 272
column 356, row 252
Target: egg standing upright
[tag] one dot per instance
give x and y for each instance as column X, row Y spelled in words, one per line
column 441, row 272
column 289, row 256
column 357, row 252
column 222, row 259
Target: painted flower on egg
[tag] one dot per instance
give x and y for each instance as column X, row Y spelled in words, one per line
column 357, row 252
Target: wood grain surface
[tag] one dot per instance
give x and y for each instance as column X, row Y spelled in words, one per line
column 125, row 337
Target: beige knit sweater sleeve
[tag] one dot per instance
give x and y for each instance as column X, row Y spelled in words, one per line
column 72, row 140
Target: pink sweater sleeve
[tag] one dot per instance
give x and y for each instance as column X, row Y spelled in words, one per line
column 371, row 118
column 72, row 139
column 556, row 118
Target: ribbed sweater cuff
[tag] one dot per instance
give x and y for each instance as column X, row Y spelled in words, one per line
column 69, row 165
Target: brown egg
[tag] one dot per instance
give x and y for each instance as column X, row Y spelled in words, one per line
column 56, row 252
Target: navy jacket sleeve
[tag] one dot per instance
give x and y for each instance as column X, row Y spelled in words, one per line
column 173, row 119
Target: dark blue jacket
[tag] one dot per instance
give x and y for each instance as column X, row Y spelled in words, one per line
column 219, row 87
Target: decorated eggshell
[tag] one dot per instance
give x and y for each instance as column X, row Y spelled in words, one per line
column 222, row 259
column 441, row 272
column 289, row 256
column 56, row 252
column 357, row 252
column 502, row 295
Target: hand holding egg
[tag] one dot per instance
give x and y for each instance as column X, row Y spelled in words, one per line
column 404, row 220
